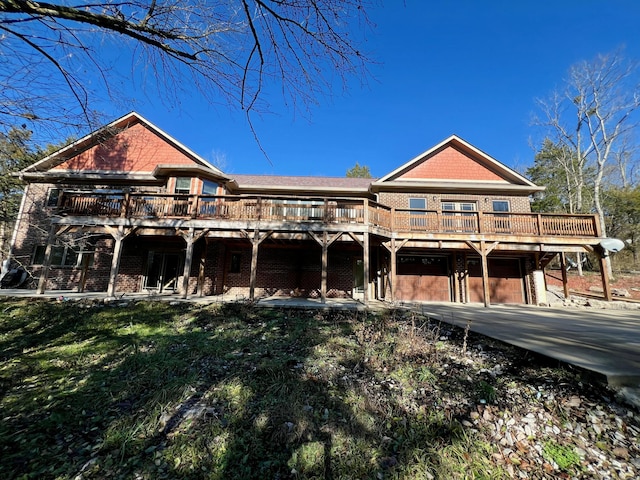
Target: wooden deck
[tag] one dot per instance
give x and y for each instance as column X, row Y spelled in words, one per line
column 319, row 213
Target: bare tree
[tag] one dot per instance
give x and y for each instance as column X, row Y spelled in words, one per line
column 57, row 57
column 592, row 115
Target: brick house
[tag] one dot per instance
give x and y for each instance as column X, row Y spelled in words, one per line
column 128, row 209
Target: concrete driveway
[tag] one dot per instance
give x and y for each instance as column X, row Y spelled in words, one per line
column 603, row 341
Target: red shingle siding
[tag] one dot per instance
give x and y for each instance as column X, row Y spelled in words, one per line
column 136, row 149
column 451, row 164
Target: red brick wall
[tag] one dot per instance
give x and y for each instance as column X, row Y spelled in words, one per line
column 287, row 271
column 517, row 204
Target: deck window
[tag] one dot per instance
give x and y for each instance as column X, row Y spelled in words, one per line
column 459, row 216
column 183, row 185
column 209, row 187
column 500, row 206
column 418, row 203
column 53, row 196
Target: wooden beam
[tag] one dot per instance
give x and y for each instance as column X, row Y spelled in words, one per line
column 325, row 262
column 563, row 267
column 115, row 261
column 365, row 258
column 606, row 287
column 257, row 239
column 393, row 269
column 356, row 239
column 190, row 240
column 325, row 242
column 202, row 267
column 46, row 264
column 486, row 292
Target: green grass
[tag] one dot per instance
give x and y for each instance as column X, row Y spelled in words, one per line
column 152, row 391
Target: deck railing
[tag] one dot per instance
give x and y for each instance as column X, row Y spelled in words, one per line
column 324, row 210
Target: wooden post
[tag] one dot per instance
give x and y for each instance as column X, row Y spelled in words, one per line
column 393, row 269
column 605, row 277
column 483, row 250
column 254, row 263
column 325, row 261
column 188, row 259
column 42, row 281
column 456, row 279
column 365, row 258
column 118, row 236
column 202, row 266
column 255, row 242
column 486, row 288
column 563, row 267
column 83, row 273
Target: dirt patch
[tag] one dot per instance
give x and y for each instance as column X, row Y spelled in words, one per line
column 630, row 283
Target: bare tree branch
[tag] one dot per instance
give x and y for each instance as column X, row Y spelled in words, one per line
column 227, row 49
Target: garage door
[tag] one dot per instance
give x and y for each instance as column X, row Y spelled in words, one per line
column 423, row 278
column 506, row 284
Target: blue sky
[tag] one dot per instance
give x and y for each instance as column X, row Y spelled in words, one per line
column 473, row 68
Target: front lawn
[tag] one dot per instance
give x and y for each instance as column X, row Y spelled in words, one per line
column 151, row 390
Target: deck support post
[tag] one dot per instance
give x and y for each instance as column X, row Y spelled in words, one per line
column 46, row 264
column 201, row 268
column 325, row 242
column 255, row 240
column 483, row 250
column 118, row 237
column 325, row 261
column 189, row 238
column 393, row 247
column 563, row 267
column 486, row 288
column 365, row 257
column 606, row 287
column 394, row 269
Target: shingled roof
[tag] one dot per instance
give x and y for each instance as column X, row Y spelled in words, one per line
column 289, row 183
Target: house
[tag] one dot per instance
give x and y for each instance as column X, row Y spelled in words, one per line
column 128, row 208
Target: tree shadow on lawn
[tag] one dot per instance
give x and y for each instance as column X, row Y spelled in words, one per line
column 156, row 391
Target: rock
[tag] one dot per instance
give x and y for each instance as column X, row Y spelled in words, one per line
column 621, row 292
column 621, row 452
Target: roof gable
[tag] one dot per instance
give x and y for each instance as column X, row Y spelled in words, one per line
column 450, row 163
column 128, row 145
column 455, row 160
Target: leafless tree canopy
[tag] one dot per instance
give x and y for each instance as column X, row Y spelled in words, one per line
column 57, row 57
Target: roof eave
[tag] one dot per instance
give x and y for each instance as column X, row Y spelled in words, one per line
column 460, row 187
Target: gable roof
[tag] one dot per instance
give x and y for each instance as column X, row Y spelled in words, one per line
column 93, row 155
column 455, row 164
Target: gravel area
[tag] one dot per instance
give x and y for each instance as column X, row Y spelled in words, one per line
column 548, row 422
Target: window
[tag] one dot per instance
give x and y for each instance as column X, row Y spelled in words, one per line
column 61, row 256
column 209, row 187
column 501, row 221
column 183, row 185
column 418, row 203
column 500, row 206
column 416, row 219
column 459, row 216
column 235, row 263
column 52, row 197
